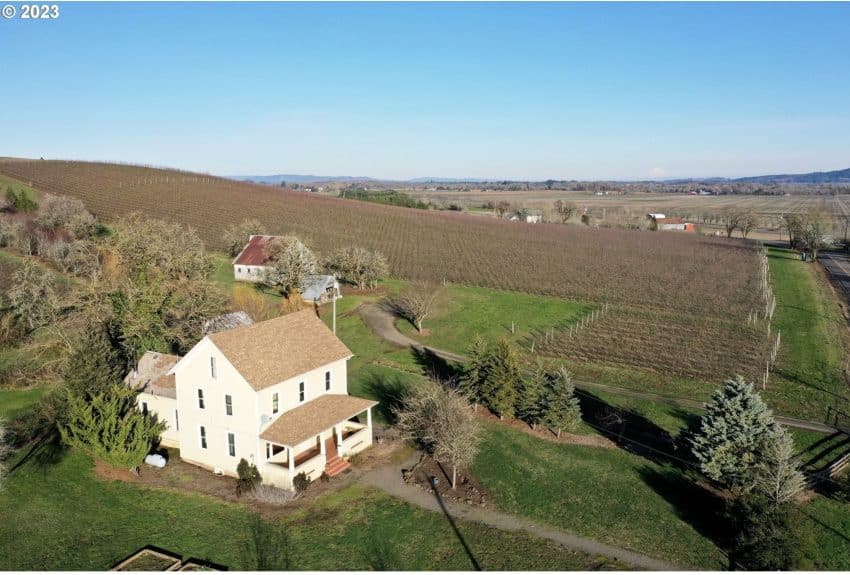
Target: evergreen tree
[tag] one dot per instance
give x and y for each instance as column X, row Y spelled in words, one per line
column 732, row 434
column 768, row 537
column 109, row 427
column 530, row 400
column 561, row 406
column 778, row 477
column 501, row 379
column 94, row 365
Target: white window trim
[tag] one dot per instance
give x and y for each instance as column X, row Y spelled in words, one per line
column 199, row 397
column 232, row 411
column 202, row 435
column 212, row 367
column 275, row 403
column 302, row 392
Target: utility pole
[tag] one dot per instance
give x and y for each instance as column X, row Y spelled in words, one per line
column 334, row 304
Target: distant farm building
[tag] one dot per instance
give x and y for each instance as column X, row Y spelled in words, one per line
column 252, row 263
column 660, row 222
column 527, row 216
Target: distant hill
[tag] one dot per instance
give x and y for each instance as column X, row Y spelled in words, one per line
column 275, row 180
column 833, row 177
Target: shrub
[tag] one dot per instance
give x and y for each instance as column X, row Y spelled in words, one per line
column 109, row 427
column 301, row 482
column 249, row 476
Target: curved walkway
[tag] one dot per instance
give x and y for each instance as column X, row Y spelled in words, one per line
column 389, row 479
column 382, row 323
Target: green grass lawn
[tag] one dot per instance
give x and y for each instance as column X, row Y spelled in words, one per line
column 808, row 375
column 462, row 312
column 13, row 401
column 606, row 494
column 57, row 516
column 6, row 182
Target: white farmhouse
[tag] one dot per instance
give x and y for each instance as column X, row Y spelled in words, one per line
column 274, row 393
column 252, row 263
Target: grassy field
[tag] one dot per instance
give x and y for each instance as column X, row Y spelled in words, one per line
column 808, row 376
column 13, row 401
column 606, row 494
column 56, row 515
column 461, row 312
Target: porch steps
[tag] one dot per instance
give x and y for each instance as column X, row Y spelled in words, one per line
column 336, row 465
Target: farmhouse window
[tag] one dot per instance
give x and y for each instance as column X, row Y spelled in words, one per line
column 228, row 404
column 301, row 391
column 200, row 399
column 231, row 444
column 212, row 367
column 327, row 381
column 268, row 450
column 274, row 403
column 176, row 421
column 144, row 408
column 203, row 437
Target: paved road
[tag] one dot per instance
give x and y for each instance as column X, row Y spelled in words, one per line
column 389, row 479
column 838, row 266
column 382, row 323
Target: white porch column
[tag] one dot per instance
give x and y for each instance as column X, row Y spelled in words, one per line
column 340, row 448
column 369, row 419
column 321, row 445
column 290, row 456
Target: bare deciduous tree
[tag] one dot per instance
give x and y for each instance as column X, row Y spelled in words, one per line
column 291, row 261
column 415, row 302
column 359, row 265
column 748, row 222
column 235, row 236
column 731, row 220
column 441, row 420
column 779, row 476
column 565, row 210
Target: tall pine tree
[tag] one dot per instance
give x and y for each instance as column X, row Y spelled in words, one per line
column 94, row 365
column 562, row 410
column 502, row 379
column 530, row 400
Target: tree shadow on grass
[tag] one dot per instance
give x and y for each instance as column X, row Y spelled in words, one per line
column 389, row 390
column 42, row 453
column 436, row 367
column 629, row 429
column 695, row 505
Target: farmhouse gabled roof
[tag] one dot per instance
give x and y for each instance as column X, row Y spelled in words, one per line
column 278, row 349
column 253, row 254
column 314, row 417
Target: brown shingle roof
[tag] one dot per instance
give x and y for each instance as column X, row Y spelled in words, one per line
column 312, row 418
column 253, row 254
column 278, row 349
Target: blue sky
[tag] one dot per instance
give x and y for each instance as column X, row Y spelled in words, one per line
column 520, row 91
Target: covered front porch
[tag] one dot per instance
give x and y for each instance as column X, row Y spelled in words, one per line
column 315, row 438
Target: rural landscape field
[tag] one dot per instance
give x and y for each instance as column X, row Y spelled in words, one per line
column 306, row 287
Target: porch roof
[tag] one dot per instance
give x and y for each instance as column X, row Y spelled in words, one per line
column 312, row 418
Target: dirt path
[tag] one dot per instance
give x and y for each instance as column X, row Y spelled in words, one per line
column 382, row 323
column 389, row 479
